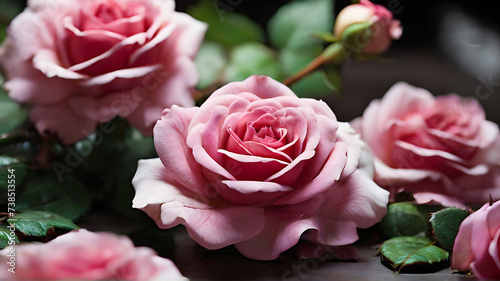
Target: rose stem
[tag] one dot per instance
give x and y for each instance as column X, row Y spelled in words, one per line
column 330, row 54
column 311, row 67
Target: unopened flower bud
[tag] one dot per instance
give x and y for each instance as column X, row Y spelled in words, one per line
column 371, row 25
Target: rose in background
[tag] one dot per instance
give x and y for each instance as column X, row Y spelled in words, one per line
column 383, row 28
column 442, row 150
column 258, row 167
column 82, row 254
column 477, row 245
column 81, row 62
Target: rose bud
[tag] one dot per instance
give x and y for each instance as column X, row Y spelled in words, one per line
column 367, row 27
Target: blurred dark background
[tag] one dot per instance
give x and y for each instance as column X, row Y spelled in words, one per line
column 447, row 46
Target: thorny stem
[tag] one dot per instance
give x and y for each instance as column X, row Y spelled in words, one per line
column 43, row 155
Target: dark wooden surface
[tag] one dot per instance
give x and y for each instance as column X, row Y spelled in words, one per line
column 199, row 264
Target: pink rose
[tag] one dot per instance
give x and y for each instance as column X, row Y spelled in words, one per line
column 83, row 254
column 383, row 27
column 257, row 167
column 81, row 62
column 440, row 149
column 477, row 245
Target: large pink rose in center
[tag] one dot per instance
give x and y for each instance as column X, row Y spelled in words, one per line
column 80, row 62
column 257, row 167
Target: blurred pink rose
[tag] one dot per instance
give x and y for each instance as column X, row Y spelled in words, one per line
column 439, row 149
column 477, row 245
column 257, row 167
column 80, row 62
column 383, row 29
column 83, row 254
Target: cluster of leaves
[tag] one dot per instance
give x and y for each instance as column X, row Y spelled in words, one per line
column 420, row 237
column 236, row 47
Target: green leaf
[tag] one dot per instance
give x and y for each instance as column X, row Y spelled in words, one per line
column 5, row 161
column 405, row 219
column 123, row 169
column 313, row 86
column 69, row 198
column 333, row 77
column 3, row 32
column 294, row 25
column 37, row 223
column 299, row 42
column 210, row 62
column 10, row 8
column 6, row 238
column 292, row 61
column 412, row 254
column 12, row 114
column 445, row 226
column 12, row 173
column 224, row 27
column 99, row 152
column 12, row 166
column 249, row 59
